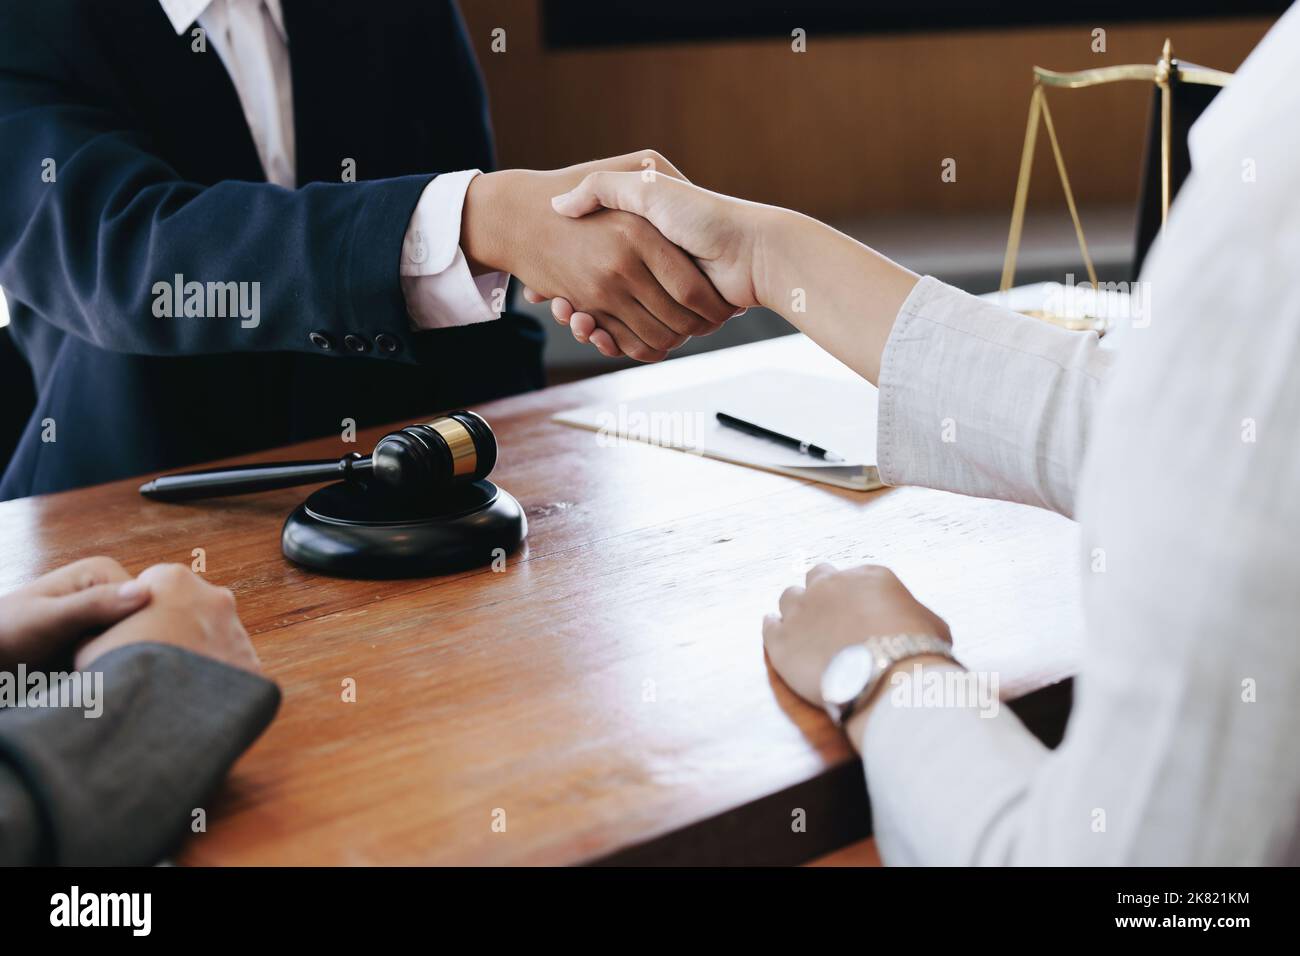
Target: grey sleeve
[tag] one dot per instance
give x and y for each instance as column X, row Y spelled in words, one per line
column 121, row 788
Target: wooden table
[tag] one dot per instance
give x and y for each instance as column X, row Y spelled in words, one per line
column 605, row 696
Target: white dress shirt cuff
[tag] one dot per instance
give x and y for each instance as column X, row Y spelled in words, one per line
column 440, row 291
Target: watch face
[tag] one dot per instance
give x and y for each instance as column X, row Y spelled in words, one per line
column 847, row 675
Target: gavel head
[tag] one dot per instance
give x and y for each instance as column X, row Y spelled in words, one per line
column 424, row 459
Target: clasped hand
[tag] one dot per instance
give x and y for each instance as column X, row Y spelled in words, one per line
column 80, row 612
column 718, row 237
column 646, row 293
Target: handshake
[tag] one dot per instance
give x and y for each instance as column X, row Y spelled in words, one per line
column 635, row 259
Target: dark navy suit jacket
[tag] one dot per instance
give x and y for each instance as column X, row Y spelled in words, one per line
column 155, row 175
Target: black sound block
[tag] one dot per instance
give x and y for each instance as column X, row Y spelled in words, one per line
column 359, row 531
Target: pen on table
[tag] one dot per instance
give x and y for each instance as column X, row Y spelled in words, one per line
column 803, row 447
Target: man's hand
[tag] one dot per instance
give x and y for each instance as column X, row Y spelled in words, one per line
column 184, row 611
column 47, row 617
column 645, row 292
column 835, row 610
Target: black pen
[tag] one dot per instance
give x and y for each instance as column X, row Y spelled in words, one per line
column 803, row 447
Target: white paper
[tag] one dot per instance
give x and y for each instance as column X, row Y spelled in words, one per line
column 838, row 414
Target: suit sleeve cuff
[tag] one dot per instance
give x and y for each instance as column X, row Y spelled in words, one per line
column 373, row 297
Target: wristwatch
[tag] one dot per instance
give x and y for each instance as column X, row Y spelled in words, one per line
column 855, row 673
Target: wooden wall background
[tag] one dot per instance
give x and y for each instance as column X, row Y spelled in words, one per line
column 857, row 125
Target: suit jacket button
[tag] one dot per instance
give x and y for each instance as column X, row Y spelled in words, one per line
column 387, row 343
column 356, row 343
column 321, row 341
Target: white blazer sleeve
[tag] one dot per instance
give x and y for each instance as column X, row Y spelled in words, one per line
column 983, row 401
column 1181, row 745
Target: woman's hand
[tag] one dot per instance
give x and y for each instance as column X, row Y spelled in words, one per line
column 835, row 610
column 47, row 617
column 720, row 233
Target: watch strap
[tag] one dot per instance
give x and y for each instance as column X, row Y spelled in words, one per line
column 888, row 651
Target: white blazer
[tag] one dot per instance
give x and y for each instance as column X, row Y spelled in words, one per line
column 1179, row 454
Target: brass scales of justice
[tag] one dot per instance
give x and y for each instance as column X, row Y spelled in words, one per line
column 1165, row 74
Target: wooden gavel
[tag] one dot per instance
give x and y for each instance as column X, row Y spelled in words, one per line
column 419, row 460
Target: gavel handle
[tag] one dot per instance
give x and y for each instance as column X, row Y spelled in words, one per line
column 246, row 479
